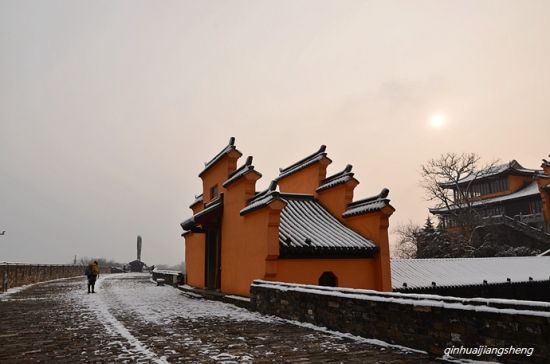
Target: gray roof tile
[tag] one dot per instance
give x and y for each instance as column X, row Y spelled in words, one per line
column 512, row 167
column 446, row 272
column 307, row 228
column 261, row 199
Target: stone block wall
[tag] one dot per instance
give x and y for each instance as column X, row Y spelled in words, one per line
column 170, row 277
column 426, row 322
column 19, row 274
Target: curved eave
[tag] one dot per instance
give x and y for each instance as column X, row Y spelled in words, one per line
column 507, row 172
column 286, row 252
column 527, row 192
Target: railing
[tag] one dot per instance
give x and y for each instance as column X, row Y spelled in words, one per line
column 519, row 222
column 536, row 218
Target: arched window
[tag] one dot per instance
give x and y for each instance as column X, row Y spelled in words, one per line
column 328, row 279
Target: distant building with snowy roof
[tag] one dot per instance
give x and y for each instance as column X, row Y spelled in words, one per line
column 507, row 193
column 525, row 278
column 304, row 228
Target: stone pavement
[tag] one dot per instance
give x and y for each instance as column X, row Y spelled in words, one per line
column 130, row 320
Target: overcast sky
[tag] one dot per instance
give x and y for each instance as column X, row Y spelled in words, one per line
column 109, row 109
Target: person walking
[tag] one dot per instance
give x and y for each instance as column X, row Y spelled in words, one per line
column 92, row 272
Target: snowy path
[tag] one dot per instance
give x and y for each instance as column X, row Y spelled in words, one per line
column 130, row 319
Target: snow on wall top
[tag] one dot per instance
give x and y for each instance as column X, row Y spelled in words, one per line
column 495, row 305
column 210, row 207
column 262, row 199
column 531, row 189
column 224, row 151
column 368, row 204
column 241, row 171
column 303, row 163
column 336, row 179
column 417, row 273
column 198, row 198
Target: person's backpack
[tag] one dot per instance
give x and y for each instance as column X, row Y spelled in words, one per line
column 87, row 271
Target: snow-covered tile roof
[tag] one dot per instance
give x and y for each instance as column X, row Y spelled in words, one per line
column 241, row 171
column 303, row 163
column 368, row 204
column 336, row 179
column 210, row 208
column 531, row 189
column 308, row 229
column 417, row 273
column 262, row 199
column 224, row 151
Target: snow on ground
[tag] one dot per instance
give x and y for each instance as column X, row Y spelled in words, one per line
column 97, row 303
column 126, row 293
column 143, row 321
column 162, row 304
column 7, row 295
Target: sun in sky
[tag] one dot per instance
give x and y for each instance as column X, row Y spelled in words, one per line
column 438, row 120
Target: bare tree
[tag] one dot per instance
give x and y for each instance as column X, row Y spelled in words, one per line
column 448, row 180
column 406, row 245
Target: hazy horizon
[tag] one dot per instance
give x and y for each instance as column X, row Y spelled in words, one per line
column 109, row 109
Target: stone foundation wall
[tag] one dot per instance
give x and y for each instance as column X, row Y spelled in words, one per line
column 425, row 322
column 19, row 274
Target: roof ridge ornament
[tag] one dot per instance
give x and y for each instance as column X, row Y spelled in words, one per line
column 241, row 171
column 304, row 162
column 369, row 204
column 336, row 179
column 226, row 150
